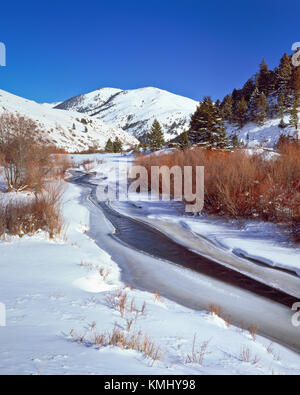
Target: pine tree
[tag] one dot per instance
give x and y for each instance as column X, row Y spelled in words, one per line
column 109, row 146
column 207, row 126
column 272, row 81
column 283, row 78
column 183, row 140
column 294, row 118
column 235, row 141
column 156, row 137
column 248, row 89
column 280, row 105
column 263, row 78
column 282, row 124
column 218, row 104
column 272, row 110
column 296, row 83
column 253, row 104
column 117, row 145
column 227, row 108
column 241, row 113
column 261, row 109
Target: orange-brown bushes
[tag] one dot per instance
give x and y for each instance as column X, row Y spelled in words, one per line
column 27, row 216
column 125, row 341
column 29, row 164
column 61, row 163
column 240, row 185
column 26, row 162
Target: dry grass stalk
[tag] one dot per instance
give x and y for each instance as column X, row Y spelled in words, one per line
column 215, row 310
column 246, row 356
column 197, row 357
column 122, row 303
column 117, row 338
column 253, row 332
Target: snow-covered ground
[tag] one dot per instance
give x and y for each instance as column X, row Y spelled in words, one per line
column 266, row 135
column 264, row 242
column 71, row 131
column 260, row 241
column 53, row 287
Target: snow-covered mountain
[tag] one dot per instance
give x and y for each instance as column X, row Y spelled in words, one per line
column 72, row 131
column 135, row 110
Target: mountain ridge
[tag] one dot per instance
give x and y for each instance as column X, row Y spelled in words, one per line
column 134, row 110
column 72, row 131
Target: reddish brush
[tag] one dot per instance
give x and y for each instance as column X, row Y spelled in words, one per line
column 238, row 185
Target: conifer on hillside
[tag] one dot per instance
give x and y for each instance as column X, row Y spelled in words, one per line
column 227, row 108
column 183, row 140
column 252, row 105
column 117, row 145
column 248, row 89
column 296, row 83
column 294, row 118
column 263, row 78
column 156, row 137
column 261, row 109
column 109, row 146
column 235, row 141
column 241, row 113
column 207, row 126
column 283, row 78
column 280, row 105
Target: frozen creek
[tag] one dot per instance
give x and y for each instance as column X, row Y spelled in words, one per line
column 268, row 309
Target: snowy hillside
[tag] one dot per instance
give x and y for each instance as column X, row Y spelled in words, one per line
column 135, row 110
column 266, row 135
column 69, row 130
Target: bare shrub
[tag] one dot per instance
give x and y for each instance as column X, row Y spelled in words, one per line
column 122, row 303
column 117, row 338
column 157, row 297
column 62, row 164
column 88, row 165
column 197, row 357
column 270, row 349
column 253, row 332
column 42, row 212
column 25, row 160
column 104, row 273
column 228, row 321
column 247, row 357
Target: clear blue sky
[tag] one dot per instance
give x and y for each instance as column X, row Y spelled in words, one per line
column 57, row 49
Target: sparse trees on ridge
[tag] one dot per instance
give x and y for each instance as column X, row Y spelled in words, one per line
column 118, row 146
column 109, row 146
column 114, row 147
